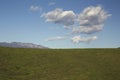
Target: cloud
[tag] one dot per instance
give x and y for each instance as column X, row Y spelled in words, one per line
column 59, row 16
column 56, row 38
column 78, row 39
column 87, row 30
column 91, row 20
column 52, row 3
column 93, row 16
column 35, row 8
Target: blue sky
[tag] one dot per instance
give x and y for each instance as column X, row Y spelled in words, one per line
column 61, row 23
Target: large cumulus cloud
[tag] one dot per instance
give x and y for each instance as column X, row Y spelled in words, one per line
column 59, row 16
column 91, row 20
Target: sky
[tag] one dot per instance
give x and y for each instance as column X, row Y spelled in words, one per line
column 61, row 23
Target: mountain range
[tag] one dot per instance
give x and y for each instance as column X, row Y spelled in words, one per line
column 21, row 45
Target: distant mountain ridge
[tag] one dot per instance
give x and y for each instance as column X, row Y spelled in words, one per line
column 21, row 45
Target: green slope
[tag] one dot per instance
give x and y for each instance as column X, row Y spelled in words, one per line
column 49, row 64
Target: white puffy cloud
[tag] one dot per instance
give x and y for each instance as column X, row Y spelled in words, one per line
column 78, row 39
column 56, row 38
column 87, row 30
column 91, row 20
column 93, row 16
column 35, row 8
column 59, row 16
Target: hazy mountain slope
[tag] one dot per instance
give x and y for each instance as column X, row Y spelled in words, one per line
column 20, row 45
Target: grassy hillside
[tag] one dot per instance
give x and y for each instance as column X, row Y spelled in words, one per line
column 49, row 64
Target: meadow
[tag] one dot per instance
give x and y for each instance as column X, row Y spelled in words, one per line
column 59, row 64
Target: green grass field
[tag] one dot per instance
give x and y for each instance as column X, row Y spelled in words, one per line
column 64, row 64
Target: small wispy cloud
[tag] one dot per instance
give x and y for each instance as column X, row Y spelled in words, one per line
column 56, row 38
column 34, row 8
column 51, row 3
